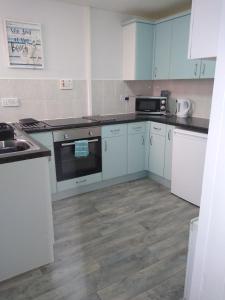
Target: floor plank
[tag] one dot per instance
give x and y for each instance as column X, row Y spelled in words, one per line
column 128, row 241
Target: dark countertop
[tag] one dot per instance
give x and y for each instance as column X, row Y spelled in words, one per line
column 24, row 155
column 194, row 124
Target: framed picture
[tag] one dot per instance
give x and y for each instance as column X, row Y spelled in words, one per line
column 24, row 43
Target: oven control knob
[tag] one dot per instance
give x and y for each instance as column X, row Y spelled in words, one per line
column 163, row 102
column 163, row 107
column 90, row 133
column 66, row 136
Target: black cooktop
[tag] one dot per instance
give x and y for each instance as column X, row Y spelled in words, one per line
column 68, row 122
column 99, row 118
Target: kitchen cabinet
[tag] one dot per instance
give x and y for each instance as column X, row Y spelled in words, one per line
column 171, row 52
column 46, row 139
column 180, row 66
column 157, row 148
column 137, row 50
column 168, row 152
column 160, row 149
column 162, row 40
column 207, row 68
column 204, row 28
column 136, row 147
column 114, row 151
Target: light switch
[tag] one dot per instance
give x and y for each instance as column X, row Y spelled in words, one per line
column 66, row 84
column 10, row 102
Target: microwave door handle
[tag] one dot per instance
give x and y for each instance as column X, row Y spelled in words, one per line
column 73, row 143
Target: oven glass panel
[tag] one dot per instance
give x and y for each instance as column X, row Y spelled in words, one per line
column 68, row 166
column 151, row 105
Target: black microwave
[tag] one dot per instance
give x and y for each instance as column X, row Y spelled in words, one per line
column 151, row 105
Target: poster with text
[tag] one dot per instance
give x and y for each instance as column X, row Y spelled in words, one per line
column 25, row 47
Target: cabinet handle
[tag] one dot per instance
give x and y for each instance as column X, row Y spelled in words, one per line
column 203, row 69
column 196, row 70
column 105, row 146
column 151, row 140
column 137, row 128
column 143, row 140
column 81, row 181
column 155, row 72
column 114, row 130
column 169, row 135
column 157, row 128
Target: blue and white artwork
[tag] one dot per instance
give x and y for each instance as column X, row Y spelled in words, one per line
column 25, row 47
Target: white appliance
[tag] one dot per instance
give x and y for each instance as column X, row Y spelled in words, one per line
column 183, row 108
column 188, row 159
column 190, row 259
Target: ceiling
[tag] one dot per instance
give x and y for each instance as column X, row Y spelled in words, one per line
column 143, row 8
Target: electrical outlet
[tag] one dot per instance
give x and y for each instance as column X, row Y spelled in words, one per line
column 124, row 98
column 10, row 102
column 66, row 84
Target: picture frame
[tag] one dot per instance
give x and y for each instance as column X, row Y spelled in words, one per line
column 24, row 44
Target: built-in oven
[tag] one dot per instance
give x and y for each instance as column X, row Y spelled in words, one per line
column 69, row 164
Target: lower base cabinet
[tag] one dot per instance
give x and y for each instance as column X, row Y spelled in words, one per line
column 136, row 153
column 136, row 147
column 156, row 156
column 160, row 149
column 114, row 151
column 46, row 139
column 126, row 149
column 114, row 157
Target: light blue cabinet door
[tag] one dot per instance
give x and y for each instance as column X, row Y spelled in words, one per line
column 156, row 154
column 180, row 66
column 163, row 32
column 144, row 51
column 46, row 139
column 208, row 68
column 168, row 152
column 136, row 153
column 114, row 157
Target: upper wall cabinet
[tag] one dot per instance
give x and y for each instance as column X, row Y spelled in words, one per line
column 171, row 52
column 207, row 68
column 162, row 40
column 137, row 51
column 180, row 66
column 204, row 28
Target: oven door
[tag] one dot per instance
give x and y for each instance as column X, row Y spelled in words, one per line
column 68, row 166
column 146, row 105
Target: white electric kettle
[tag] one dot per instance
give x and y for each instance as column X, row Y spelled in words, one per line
column 183, row 108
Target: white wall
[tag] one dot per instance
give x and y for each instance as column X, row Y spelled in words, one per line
column 106, row 43
column 64, row 37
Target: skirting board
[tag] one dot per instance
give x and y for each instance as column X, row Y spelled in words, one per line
column 160, row 180
column 99, row 185
column 106, row 183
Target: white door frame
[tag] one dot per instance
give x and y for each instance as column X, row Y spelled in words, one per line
column 208, row 281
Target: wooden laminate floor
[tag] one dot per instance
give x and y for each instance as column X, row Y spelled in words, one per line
column 126, row 242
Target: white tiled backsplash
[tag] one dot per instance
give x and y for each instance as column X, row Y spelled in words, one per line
column 42, row 99
column 106, row 94
column 198, row 91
